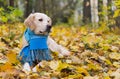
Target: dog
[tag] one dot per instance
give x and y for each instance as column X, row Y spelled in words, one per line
column 37, row 42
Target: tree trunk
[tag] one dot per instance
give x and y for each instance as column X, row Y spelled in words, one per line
column 86, row 11
column 37, row 6
column 28, row 8
column 109, row 8
column 40, row 6
column 105, row 11
column 11, row 3
column 94, row 12
column 44, row 6
column 52, row 7
column 100, row 9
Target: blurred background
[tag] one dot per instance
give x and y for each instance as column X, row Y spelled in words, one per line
column 73, row 12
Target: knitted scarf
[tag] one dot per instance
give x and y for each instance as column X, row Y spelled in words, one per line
column 36, row 50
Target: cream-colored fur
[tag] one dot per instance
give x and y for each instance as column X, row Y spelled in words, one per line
column 38, row 23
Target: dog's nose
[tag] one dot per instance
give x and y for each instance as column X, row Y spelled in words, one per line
column 48, row 28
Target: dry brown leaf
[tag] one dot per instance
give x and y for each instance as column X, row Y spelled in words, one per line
column 54, row 65
column 115, row 56
column 116, row 64
column 6, row 66
column 3, row 58
column 75, row 60
column 116, row 74
column 114, row 48
column 90, row 77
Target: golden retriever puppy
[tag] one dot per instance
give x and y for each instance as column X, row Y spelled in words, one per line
column 37, row 42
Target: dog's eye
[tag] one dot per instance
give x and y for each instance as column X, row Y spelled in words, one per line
column 40, row 19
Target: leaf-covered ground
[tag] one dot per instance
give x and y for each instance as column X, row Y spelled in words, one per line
column 95, row 54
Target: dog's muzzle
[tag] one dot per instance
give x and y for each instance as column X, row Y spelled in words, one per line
column 48, row 29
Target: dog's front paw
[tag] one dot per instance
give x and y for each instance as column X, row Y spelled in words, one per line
column 26, row 68
column 66, row 53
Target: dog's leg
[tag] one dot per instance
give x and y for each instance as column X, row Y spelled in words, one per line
column 26, row 67
column 57, row 48
column 35, row 69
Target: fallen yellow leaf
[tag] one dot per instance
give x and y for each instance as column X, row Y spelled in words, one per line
column 54, row 65
column 114, row 55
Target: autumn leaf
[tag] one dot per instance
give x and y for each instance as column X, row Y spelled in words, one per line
column 116, row 64
column 75, row 76
column 12, row 57
column 116, row 74
column 107, row 77
column 82, row 71
column 90, row 77
column 75, row 60
column 54, row 65
column 114, row 48
column 3, row 59
column 62, row 66
column 6, row 66
column 114, row 55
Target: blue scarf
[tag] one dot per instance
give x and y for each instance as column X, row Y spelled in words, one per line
column 36, row 50
column 36, row 41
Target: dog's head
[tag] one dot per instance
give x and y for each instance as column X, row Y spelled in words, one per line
column 39, row 23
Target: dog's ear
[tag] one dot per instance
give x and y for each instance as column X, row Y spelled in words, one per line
column 29, row 22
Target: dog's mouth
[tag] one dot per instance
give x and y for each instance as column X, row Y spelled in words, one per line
column 41, row 32
column 48, row 30
column 44, row 32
